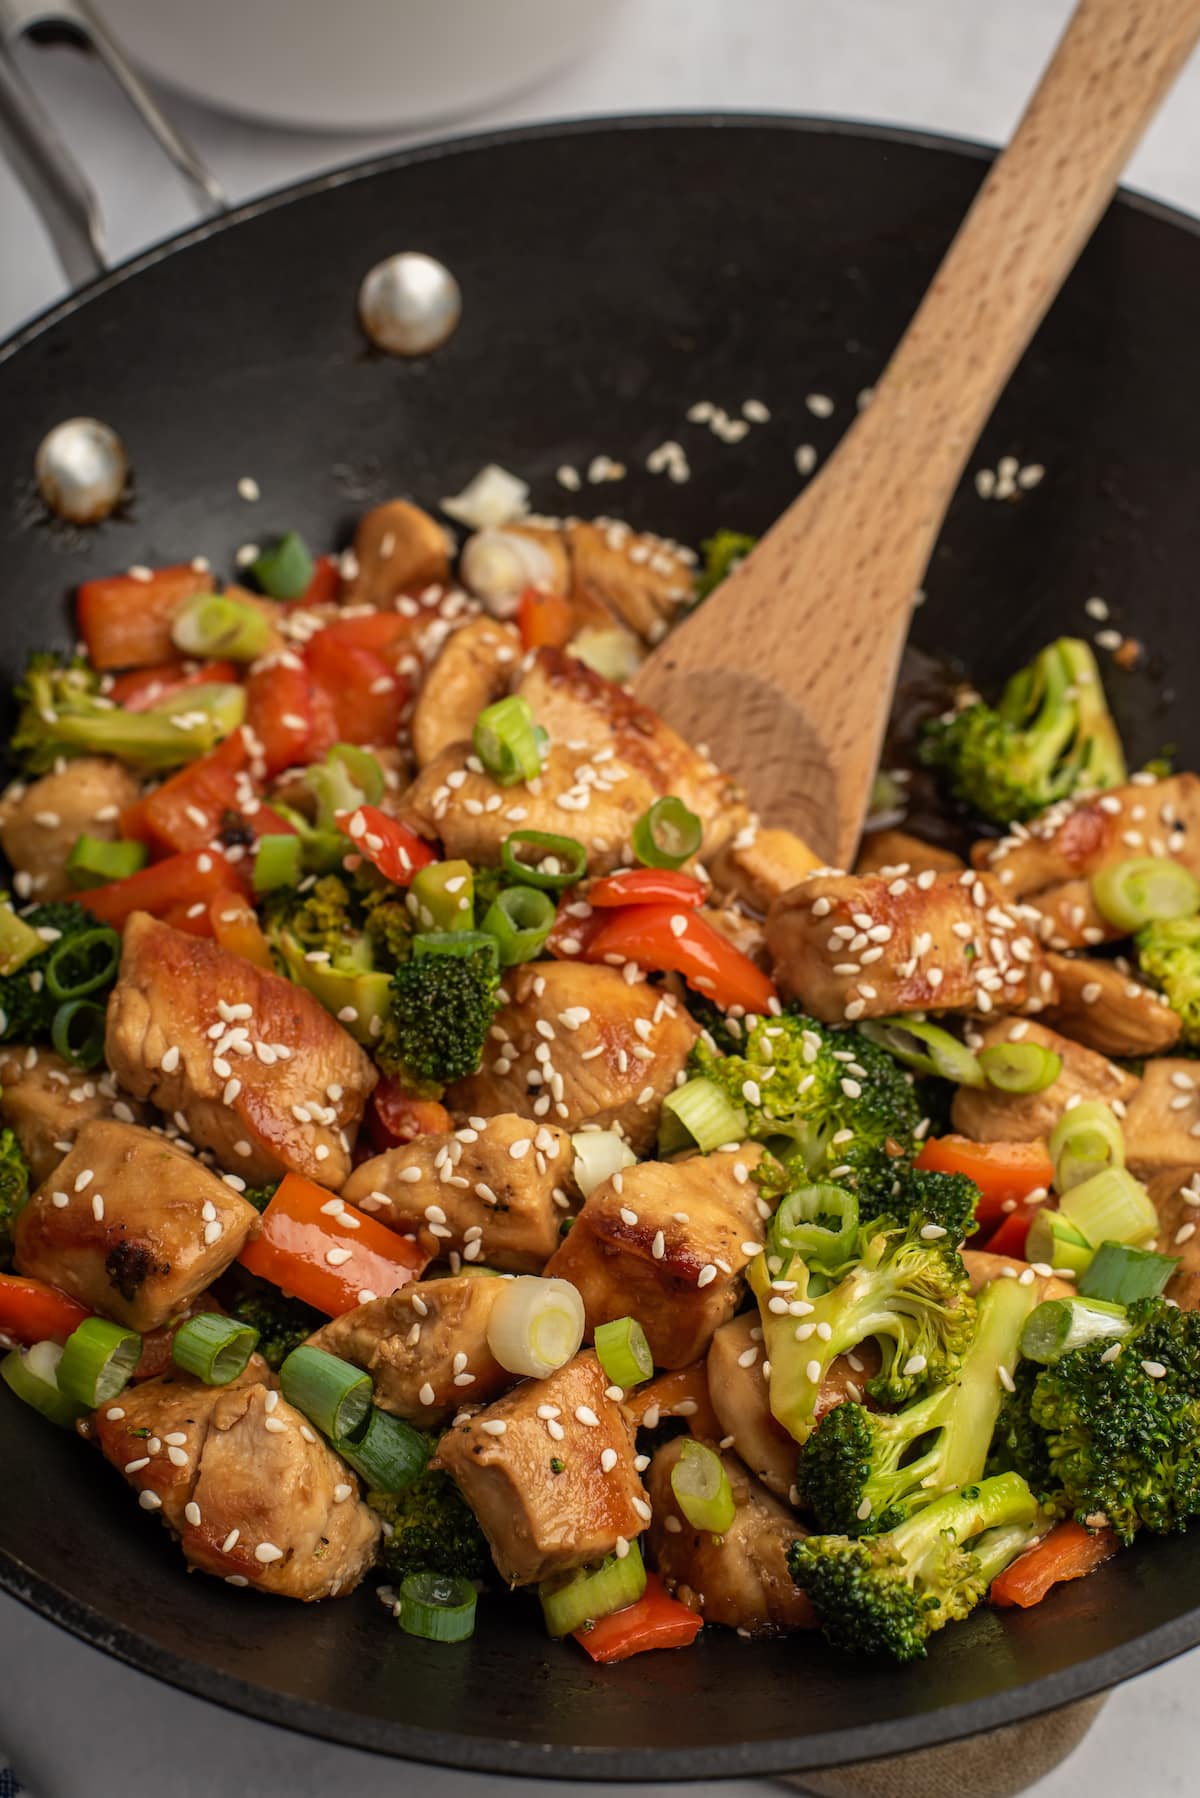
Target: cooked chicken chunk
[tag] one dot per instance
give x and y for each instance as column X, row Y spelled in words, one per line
column 396, row 546
column 639, row 579
column 1108, row 1009
column 487, row 1191
column 740, row 1578
column 1147, row 817
column 893, row 852
column 475, row 667
column 1162, row 1121
column 1176, row 1195
column 130, row 1225
column 760, row 864
column 739, row 1397
column 260, row 1072
column 989, row 1115
column 39, row 824
column 252, row 1492
column 983, row 1267
column 45, row 1101
column 851, row 948
column 666, row 1243
column 584, row 1046
column 425, row 1348
column 741, row 929
column 1066, row 917
column 547, row 1491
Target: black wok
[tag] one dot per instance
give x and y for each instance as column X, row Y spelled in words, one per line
column 613, row 274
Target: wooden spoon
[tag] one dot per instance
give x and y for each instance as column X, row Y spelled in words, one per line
column 787, row 672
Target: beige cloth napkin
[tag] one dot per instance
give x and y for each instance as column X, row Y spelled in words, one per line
column 998, row 1765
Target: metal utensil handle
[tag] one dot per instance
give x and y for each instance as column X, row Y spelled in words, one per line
column 41, row 160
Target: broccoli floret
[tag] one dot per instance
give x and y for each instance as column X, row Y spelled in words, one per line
column 887, row 1594
column 27, row 1005
column 260, row 1196
column 1168, row 954
column 14, row 1190
column 722, row 553
column 861, row 1472
column 389, row 928
column 945, row 1199
column 909, row 1294
column 1122, row 1423
column 327, row 920
column 1050, row 736
column 440, row 1011
column 832, row 1106
column 432, row 1527
column 282, row 1323
column 64, row 713
column 1019, row 1446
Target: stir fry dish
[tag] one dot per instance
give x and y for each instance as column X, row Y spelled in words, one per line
column 448, row 1142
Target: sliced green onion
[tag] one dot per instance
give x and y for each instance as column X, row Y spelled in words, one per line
column 19, row 941
column 83, row 964
column 571, row 1601
column 331, row 1393
column 520, row 919
column 1144, row 890
column 1054, row 1241
column 334, row 790
column 1111, row 1207
column 818, row 1223
column 321, row 850
column 1123, row 1275
column 97, row 1361
column 93, row 862
column 705, row 1113
column 453, row 942
column 536, row 1325
column 77, row 1032
column 33, row 1375
column 277, row 862
column 701, row 1487
column 1086, row 1140
column 442, row 896
column 362, row 767
column 1020, row 1067
column 214, row 1348
column 926, row 1047
column 1057, row 1326
column 216, row 624
column 599, row 1154
column 505, row 742
column 623, row 1352
column 389, row 1454
column 561, row 860
column 285, row 569
column 667, row 835
column 438, row 1607
column 614, row 653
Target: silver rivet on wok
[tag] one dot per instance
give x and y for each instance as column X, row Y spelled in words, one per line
column 409, row 304
column 81, row 469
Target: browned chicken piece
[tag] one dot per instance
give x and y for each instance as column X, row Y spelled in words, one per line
column 1105, row 1007
column 500, row 561
column 596, row 802
column 1162, row 1121
column 1066, row 917
column 425, row 1348
column 738, row 1390
column 258, row 1071
column 39, row 823
column 983, row 1267
column 666, row 1243
column 988, row 1115
column 581, row 1045
column 253, row 1493
column 864, row 948
column 46, row 1101
column 130, row 1225
column 494, row 1191
column 475, row 666
column 556, row 1487
column 396, row 546
column 893, row 852
column 741, row 929
column 740, row 1578
column 759, row 864
column 640, row 580
column 605, row 728
column 1175, row 1192
column 1146, row 817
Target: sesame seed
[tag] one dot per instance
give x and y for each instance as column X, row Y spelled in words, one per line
column 149, row 1501
column 338, row 1257
column 1153, row 1369
column 914, row 1365
column 813, row 1372
column 267, row 1552
column 585, row 1414
column 426, row 1394
column 136, row 1466
column 707, row 1274
column 1006, row 1379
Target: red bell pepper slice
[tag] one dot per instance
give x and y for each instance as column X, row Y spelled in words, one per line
column 298, row 1234
column 1068, row 1552
column 380, row 632
column 1001, row 1170
column 279, row 714
column 662, row 938
column 1011, row 1236
column 126, row 622
column 647, row 886
column 545, row 620
column 194, row 919
column 325, row 588
column 393, row 1117
column 181, row 880
column 234, row 923
column 31, row 1311
column 389, row 845
column 367, row 697
column 146, row 687
column 192, row 807
column 655, row 1620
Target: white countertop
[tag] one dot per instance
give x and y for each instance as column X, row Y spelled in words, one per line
column 950, row 65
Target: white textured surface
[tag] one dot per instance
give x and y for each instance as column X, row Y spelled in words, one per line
column 951, row 65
